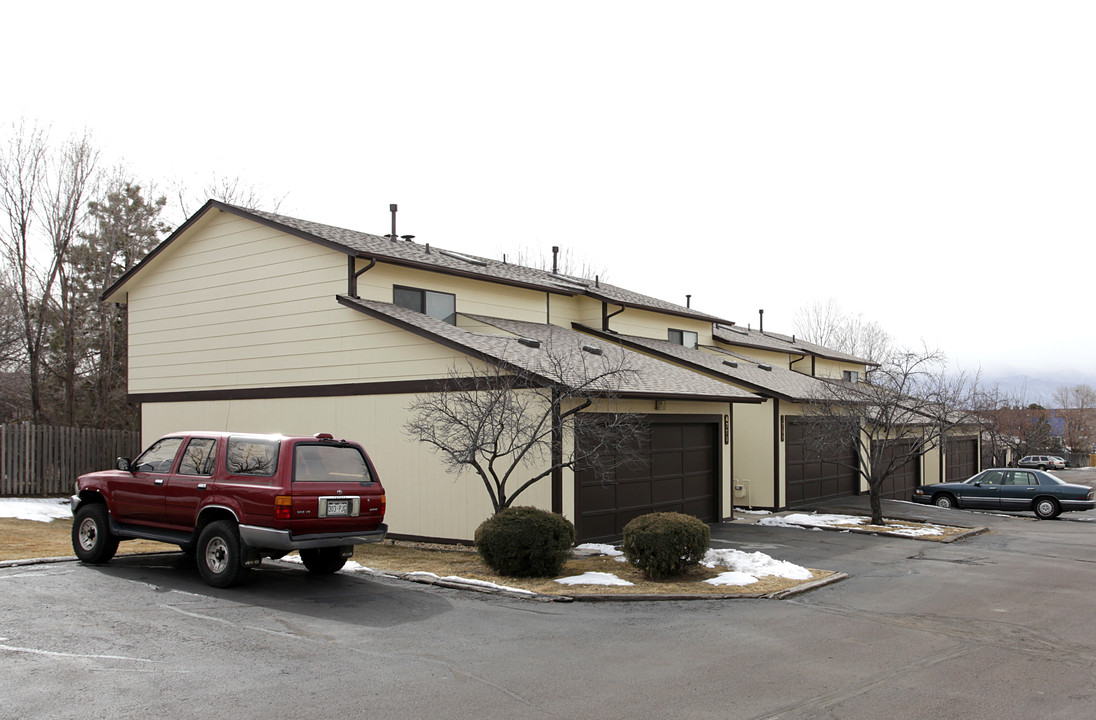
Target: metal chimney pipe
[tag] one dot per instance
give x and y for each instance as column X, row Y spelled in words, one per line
column 555, row 259
column 761, row 321
column 688, row 301
column 392, row 208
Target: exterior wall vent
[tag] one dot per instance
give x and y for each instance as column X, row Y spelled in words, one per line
column 730, row 363
column 763, row 366
column 591, row 349
column 529, row 342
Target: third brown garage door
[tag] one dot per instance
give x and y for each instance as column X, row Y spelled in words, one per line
column 962, row 458
column 674, row 469
column 905, row 479
column 813, row 476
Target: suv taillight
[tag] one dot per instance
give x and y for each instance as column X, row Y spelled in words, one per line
column 283, row 507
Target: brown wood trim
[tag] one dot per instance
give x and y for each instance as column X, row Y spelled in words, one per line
column 388, row 387
column 557, row 455
column 776, row 453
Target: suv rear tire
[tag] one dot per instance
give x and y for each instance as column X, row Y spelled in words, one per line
column 219, row 555
column 92, row 540
column 323, row 561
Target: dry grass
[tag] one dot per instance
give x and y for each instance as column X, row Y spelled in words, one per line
column 396, row 557
column 26, row 539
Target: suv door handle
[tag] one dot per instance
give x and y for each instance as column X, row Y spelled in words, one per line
column 201, row 486
column 158, row 481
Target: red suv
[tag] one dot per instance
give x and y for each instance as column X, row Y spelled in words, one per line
column 232, row 499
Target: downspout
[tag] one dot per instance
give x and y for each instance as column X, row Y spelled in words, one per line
column 606, row 316
column 352, row 276
column 791, row 365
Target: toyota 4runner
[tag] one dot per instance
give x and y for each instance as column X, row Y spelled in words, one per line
column 232, row 499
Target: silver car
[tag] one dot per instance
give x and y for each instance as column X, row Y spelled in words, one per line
column 1042, row 462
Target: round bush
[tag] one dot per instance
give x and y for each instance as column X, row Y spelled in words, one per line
column 525, row 542
column 665, row 545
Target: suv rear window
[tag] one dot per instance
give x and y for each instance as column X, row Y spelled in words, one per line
column 329, row 463
column 252, row 456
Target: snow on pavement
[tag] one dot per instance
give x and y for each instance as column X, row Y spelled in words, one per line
column 39, row 509
column 844, row 522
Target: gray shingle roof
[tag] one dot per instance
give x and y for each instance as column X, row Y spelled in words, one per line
column 775, row 380
column 439, row 259
column 736, row 335
column 648, row 377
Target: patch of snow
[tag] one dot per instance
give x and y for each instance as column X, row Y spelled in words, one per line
column 757, row 564
column 818, row 521
column 470, row 581
column 597, row 549
column 593, row 578
column 733, row 577
column 38, row 509
column 744, row 511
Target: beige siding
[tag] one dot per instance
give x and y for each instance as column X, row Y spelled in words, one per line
column 239, row 305
column 753, row 457
column 645, row 323
column 473, row 297
column 423, row 499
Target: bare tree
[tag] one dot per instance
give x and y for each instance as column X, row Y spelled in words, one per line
column 1077, row 407
column 826, row 324
column 231, row 190
column 909, row 406
column 1012, row 426
column 507, row 423
column 38, row 185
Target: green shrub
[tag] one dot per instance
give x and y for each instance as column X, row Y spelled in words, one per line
column 664, row 545
column 525, row 542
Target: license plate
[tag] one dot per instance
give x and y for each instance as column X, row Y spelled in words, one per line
column 338, row 508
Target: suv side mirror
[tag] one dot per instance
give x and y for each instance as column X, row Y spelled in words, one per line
column 122, row 463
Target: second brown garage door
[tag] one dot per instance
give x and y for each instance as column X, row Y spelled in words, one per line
column 906, row 477
column 812, row 475
column 674, row 469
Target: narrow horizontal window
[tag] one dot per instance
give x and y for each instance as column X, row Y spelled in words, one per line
column 439, row 305
column 683, row 337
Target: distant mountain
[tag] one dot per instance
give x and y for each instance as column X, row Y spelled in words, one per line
column 1038, row 389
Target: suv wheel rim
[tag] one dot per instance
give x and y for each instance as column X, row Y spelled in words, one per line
column 216, row 555
column 88, row 533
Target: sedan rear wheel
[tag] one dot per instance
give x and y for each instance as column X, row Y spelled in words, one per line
column 1046, row 508
column 944, row 500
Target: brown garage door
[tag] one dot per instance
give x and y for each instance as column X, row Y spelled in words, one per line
column 902, row 482
column 962, row 458
column 674, row 469
column 816, row 474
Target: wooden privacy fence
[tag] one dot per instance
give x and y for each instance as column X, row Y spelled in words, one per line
column 46, row 460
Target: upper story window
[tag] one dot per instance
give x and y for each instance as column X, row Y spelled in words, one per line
column 442, row 306
column 851, row 376
column 684, row 337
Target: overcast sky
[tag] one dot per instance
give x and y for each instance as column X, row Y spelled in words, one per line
column 929, row 165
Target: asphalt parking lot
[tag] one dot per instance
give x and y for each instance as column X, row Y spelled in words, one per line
column 1000, row 625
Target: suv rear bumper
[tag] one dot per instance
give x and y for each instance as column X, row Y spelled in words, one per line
column 270, row 539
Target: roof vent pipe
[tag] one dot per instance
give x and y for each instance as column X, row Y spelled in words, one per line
column 761, row 321
column 688, row 301
column 393, row 236
column 555, row 259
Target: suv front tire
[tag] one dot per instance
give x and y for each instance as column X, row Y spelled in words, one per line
column 92, row 540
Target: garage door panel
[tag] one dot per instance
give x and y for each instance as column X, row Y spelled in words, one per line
column 664, row 464
column 633, row 494
column 675, row 470
column 810, row 475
